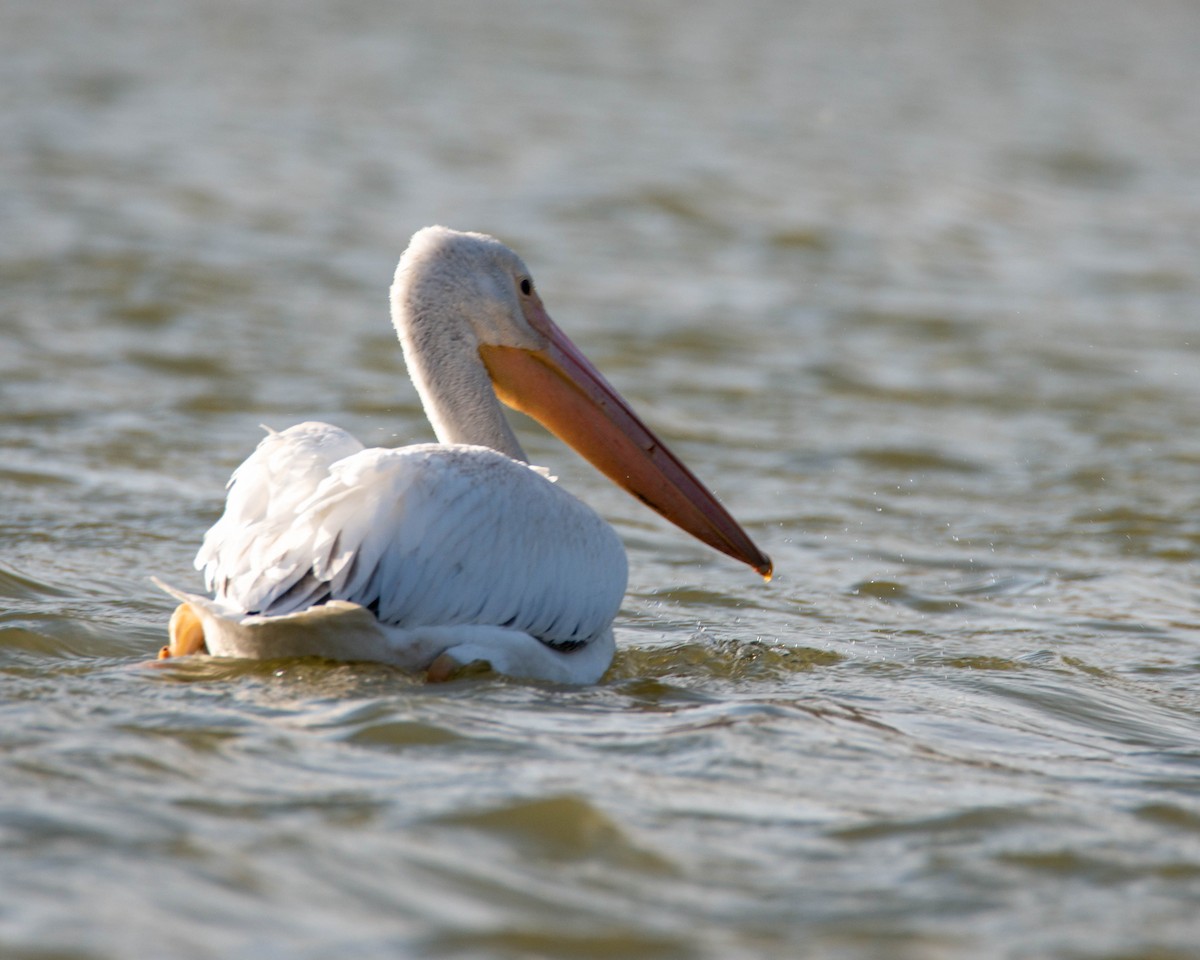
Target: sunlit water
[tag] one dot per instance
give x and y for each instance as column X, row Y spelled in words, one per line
column 914, row 286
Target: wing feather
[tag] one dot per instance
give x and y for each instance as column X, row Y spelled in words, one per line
column 427, row 535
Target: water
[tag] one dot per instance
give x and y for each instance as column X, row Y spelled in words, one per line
column 913, row 286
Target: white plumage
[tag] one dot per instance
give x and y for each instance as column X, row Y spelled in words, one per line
column 434, row 556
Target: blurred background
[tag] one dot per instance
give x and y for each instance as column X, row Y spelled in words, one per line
column 913, row 286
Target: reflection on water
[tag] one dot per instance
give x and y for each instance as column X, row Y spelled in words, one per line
column 914, row 286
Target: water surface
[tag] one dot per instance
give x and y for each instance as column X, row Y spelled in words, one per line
column 913, row 287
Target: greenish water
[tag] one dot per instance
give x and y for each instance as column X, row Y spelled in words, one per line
column 914, row 287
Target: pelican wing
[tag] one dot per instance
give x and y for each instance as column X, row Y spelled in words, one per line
column 426, row 535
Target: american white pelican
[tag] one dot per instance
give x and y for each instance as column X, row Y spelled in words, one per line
column 436, row 556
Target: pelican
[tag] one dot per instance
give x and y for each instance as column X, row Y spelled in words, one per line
column 438, row 556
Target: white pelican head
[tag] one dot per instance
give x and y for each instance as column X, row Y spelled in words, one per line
column 474, row 331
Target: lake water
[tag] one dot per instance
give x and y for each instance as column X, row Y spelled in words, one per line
column 915, row 287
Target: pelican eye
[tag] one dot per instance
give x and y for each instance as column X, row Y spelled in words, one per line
column 526, row 286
